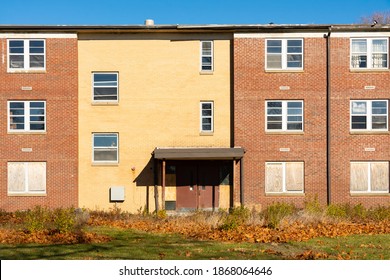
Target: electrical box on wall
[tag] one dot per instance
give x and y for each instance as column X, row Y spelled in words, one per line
column 117, row 194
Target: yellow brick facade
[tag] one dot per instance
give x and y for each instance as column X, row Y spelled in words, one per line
column 160, row 90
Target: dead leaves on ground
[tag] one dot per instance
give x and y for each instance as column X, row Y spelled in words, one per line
column 9, row 236
column 296, row 231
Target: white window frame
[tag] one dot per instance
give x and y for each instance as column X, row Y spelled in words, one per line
column 369, row 53
column 27, row 115
column 204, row 117
column 284, row 116
column 284, row 178
column 26, row 56
column 369, row 115
column 108, row 148
column 26, row 176
column 284, row 54
column 369, row 179
column 96, row 85
column 211, row 56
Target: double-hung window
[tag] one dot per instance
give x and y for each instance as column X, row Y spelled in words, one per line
column 206, row 116
column 206, row 56
column 284, row 177
column 26, row 178
column 105, row 87
column 370, row 177
column 284, row 115
column 26, row 116
column 26, row 54
column 105, row 147
column 284, row 54
column 369, row 53
column 369, row 115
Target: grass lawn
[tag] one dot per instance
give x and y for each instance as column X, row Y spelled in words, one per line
column 138, row 245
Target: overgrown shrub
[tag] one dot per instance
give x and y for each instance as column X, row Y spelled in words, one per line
column 236, row 217
column 63, row 220
column 313, row 206
column 337, row 211
column 379, row 213
column 36, row 219
column 276, row 212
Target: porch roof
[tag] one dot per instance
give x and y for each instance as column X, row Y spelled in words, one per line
column 198, row 153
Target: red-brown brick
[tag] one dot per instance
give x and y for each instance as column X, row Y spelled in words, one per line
column 253, row 85
column 58, row 147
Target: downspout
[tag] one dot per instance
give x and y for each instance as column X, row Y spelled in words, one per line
column 328, row 118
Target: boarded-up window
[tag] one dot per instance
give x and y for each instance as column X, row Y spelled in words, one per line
column 369, row 176
column 26, row 177
column 283, row 177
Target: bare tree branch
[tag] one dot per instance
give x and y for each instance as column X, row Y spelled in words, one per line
column 380, row 17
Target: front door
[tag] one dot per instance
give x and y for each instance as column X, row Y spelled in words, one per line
column 197, row 185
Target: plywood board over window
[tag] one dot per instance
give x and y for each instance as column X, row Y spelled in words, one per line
column 274, row 177
column 26, row 178
column 284, row 177
column 380, row 176
column 359, row 176
column 294, row 176
column 369, row 177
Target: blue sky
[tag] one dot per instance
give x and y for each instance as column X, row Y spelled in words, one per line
column 119, row 12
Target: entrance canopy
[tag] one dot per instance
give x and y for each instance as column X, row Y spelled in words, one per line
column 198, row 153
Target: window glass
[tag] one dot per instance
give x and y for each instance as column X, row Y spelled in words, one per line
column 284, row 115
column 284, row 54
column 105, row 87
column 25, row 116
column 369, row 53
column 206, row 55
column 206, row 116
column 26, row 54
column 369, row 115
column 105, row 147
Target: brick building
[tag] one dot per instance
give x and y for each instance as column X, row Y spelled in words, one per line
column 359, row 118
column 38, row 112
column 311, row 112
column 193, row 117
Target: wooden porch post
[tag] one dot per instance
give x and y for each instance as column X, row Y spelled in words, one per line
column 163, row 183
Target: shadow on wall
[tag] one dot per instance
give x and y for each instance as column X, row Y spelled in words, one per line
column 146, row 179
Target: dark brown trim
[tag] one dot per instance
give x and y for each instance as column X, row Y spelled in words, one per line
column 198, row 153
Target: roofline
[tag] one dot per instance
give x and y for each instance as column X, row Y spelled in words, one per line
column 193, row 28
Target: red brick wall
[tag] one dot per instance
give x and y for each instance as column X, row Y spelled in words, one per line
column 347, row 85
column 252, row 87
column 58, row 147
